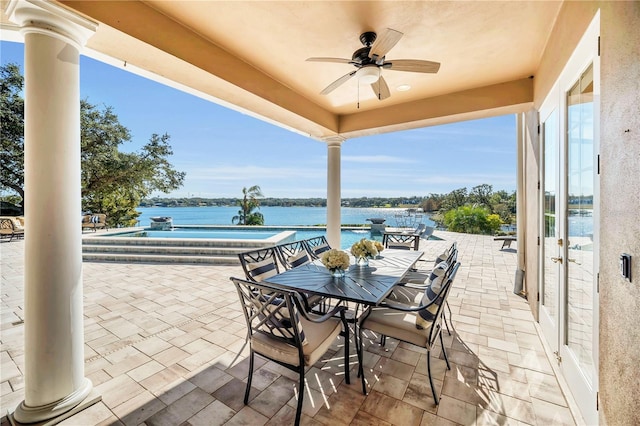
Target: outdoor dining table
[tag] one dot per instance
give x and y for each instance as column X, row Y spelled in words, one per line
column 367, row 285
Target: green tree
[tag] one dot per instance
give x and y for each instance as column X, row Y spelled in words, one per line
column 114, row 182
column 249, row 202
column 432, row 203
column 12, row 130
column 454, row 199
column 472, row 220
column 481, row 195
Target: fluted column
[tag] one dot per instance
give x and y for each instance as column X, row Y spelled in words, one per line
column 54, row 334
column 333, row 190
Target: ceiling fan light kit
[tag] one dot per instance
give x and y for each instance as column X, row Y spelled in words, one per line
column 370, row 60
column 368, row 74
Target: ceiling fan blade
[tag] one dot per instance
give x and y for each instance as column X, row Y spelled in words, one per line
column 384, row 43
column 413, row 65
column 381, row 89
column 330, row 88
column 338, row 60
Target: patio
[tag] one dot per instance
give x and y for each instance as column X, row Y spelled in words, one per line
column 164, row 345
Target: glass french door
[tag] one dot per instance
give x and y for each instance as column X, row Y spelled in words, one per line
column 551, row 240
column 569, row 197
column 580, row 325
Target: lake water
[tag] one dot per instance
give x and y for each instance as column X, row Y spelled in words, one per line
column 286, row 216
column 272, row 215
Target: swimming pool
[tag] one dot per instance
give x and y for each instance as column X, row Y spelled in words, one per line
column 347, row 236
column 199, row 233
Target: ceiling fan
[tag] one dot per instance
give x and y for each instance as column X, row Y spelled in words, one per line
column 370, row 61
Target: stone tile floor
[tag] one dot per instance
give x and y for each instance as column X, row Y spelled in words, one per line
column 164, row 345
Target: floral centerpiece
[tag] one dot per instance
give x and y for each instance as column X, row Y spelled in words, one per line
column 379, row 246
column 364, row 250
column 335, row 261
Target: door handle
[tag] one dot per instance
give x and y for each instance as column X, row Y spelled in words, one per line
column 556, row 259
column 574, row 261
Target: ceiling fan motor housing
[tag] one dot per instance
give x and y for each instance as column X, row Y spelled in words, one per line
column 368, row 38
column 361, row 56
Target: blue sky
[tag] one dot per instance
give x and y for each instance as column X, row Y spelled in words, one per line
column 222, row 150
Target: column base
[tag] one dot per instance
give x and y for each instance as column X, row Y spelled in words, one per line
column 58, row 411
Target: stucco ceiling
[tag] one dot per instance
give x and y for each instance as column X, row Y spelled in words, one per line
column 252, row 55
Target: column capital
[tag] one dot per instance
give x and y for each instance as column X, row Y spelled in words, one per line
column 334, row 140
column 44, row 17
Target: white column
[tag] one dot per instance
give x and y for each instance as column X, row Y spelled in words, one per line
column 54, row 332
column 333, row 191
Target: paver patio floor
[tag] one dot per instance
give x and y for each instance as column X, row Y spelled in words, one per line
column 165, row 345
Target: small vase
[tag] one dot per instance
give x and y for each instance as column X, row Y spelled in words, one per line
column 338, row 273
column 362, row 261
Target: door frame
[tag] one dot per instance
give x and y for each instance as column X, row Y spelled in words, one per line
column 585, row 54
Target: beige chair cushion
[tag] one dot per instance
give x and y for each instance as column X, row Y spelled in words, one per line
column 18, row 222
column 262, row 270
column 299, row 259
column 319, row 249
column 406, row 295
column 397, row 324
column 400, row 245
column 319, row 336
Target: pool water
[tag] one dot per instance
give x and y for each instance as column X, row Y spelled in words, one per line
column 214, row 233
column 347, row 237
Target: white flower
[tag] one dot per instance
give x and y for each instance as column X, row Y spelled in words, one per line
column 364, row 248
column 335, row 259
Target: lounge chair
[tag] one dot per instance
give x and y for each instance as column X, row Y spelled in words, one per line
column 506, row 241
column 94, row 221
column 10, row 227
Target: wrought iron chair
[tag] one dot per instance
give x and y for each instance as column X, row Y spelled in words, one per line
column 420, row 325
column 402, row 241
column 414, row 282
column 283, row 331
column 259, row 264
column 293, row 254
column 317, row 245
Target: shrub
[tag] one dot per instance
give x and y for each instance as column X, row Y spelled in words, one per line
column 472, row 220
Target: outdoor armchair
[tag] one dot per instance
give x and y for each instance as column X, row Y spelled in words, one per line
column 293, row 254
column 258, row 265
column 420, row 325
column 283, row 331
column 401, row 241
column 317, row 245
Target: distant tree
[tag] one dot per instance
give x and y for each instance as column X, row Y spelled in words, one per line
column 454, row 199
column 432, row 203
column 249, row 202
column 12, row 130
column 481, row 196
column 504, row 205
